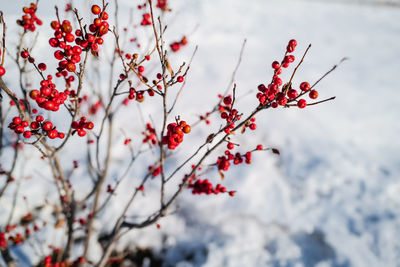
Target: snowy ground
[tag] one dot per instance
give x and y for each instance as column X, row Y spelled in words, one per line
column 332, row 197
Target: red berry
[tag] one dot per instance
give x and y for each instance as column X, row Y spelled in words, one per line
column 227, row 100
column 2, row 71
column 290, row 49
column 19, row 129
column 95, row 46
column 275, row 65
column 27, row 134
column 97, row 22
column 292, row 93
column 104, row 16
column 179, row 79
column 81, row 133
column 89, row 125
column 39, row 118
column 305, row 86
column 42, row 66
column 186, row 129
column 293, row 42
column 47, row 125
column 55, row 25
column 53, row 42
column 24, row 54
column 52, row 134
column 71, row 67
column 253, row 126
column 230, row 145
column 140, row 69
column 69, row 37
column 313, row 94
column 302, row 103
column 96, row 9
column 17, row 120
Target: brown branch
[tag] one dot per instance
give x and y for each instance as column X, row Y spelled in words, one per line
column 4, row 87
column 298, row 65
column 327, row 73
column 3, row 38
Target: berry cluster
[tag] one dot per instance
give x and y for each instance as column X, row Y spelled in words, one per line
column 127, row 141
column 277, row 95
column 52, row 261
column 175, row 46
column 110, row 189
column 228, row 113
column 205, row 187
column 69, row 55
column 205, row 118
column 93, row 109
column 20, row 101
column 47, row 128
column 139, row 95
column 146, row 19
column 12, row 234
column 251, row 124
column 223, row 162
column 48, row 97
column 175, row 133
column 150, row 134
column 68, row 7
column 29, row 19
column 81, row 125
column 18, row 126
column 155, row 171
column 162, row 4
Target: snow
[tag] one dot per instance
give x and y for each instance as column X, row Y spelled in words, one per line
column 332, row 197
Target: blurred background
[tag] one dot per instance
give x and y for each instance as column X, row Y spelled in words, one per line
column 332, row 198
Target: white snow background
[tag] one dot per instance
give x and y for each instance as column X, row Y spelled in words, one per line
column 333, row 196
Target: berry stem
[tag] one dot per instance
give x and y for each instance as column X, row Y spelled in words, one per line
column 298, row 65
